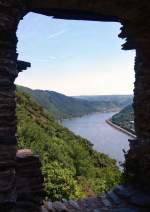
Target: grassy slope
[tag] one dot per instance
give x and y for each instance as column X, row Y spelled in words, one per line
column 72, row 169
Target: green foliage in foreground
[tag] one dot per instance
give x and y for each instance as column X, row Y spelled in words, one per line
column 72, row 169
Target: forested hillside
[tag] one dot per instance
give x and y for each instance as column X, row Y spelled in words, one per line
column 59, row 105
column 62, row 106
column 71, row 168
column 125, row 118
column 120, row 101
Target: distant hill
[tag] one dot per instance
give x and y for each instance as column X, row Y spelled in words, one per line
column 119, row 100
column 71, row 167
column 61, row 106
column 125, row 118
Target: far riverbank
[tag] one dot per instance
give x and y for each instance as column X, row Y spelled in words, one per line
column 120, row 128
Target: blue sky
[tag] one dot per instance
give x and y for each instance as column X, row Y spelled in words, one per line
column 74, row 57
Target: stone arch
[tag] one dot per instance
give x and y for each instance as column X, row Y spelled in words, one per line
column 135, row 18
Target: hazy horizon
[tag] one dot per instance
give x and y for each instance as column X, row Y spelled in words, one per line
column 78, row 95
column 74, row 57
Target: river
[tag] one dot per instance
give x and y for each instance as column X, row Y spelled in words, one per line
column 104, row 137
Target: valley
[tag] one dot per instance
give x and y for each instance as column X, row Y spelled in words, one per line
column 63, row 107
column 71, row 167
column 87, row 161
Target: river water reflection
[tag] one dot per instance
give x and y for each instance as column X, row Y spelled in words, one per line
column 105, row 138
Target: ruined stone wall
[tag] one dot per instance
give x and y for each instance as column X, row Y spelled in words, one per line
column 137, row 168
column 29, row 182
column 11, row 11
column 137, row 165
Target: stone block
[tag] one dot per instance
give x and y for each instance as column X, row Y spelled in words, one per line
column 139, row 199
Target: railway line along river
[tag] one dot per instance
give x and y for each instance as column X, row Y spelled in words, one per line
column 104, row 137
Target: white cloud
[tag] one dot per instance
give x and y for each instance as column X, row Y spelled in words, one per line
column 57, row 34
column 44, row 60
column 41, row 60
